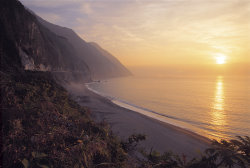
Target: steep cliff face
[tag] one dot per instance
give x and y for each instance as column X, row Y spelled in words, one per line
column 38, row 48
column 37, row 45
column 101, row 63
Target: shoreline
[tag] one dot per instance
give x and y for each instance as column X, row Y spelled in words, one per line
column 160, row 136
column 144, row 112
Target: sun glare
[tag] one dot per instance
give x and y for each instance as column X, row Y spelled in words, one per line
column 220, row 59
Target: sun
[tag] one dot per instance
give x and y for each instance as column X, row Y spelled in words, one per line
column 220, row 58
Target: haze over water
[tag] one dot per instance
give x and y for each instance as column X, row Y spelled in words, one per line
column 216, row 107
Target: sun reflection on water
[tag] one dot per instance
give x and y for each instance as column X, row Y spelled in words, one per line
column 218, row 114
column 219, row 95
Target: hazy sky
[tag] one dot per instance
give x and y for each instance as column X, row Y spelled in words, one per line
column 157, row 32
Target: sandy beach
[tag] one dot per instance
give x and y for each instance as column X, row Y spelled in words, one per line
column 159, row 136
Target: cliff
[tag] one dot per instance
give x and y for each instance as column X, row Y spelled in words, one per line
column 41, row 126
column 38, row 48
column 37, row 45
column 101, row 63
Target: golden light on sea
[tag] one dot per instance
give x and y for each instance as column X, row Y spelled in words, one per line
column 218, row 119
column 219, row 95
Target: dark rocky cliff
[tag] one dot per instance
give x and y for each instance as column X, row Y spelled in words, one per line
column 38, row 48
column 37, row 45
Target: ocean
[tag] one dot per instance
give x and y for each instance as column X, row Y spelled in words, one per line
column 216, row 107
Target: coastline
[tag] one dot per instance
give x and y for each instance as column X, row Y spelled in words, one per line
column 160, row 136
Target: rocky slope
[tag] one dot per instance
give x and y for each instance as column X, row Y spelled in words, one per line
column 101, row 63
column 38, row 48
column 37, row 45
column 41, row 126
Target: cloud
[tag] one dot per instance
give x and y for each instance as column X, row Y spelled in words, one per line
column 160, row 28
column 86, row 8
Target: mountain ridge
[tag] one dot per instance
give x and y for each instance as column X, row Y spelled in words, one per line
column 101, row 63
column 37, row 48
column 37, row 45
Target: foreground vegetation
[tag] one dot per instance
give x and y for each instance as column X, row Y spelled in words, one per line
column 43, row 127
column 233, row 153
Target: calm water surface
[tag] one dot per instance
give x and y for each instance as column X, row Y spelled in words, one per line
column 215, row 107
